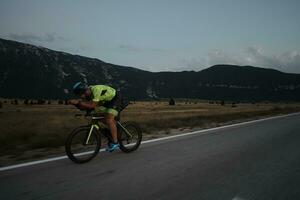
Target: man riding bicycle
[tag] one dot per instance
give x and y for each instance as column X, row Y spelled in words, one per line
column 104, row 100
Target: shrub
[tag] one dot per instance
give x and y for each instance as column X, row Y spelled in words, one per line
column 26, row 101
column 172, row 102
column 41, row 102
column 222, row 103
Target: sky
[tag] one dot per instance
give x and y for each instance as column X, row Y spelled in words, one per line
column 162, row 35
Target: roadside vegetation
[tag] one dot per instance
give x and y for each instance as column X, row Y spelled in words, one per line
column 38, row 129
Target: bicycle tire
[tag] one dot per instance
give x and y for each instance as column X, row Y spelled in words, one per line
column 69, row 144
column 135, row 130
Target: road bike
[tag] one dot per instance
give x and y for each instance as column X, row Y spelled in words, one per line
column 84, row 142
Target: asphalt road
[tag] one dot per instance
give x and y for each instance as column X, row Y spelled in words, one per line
column 253, row 161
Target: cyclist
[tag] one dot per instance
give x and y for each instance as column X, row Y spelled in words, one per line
column 104, row 100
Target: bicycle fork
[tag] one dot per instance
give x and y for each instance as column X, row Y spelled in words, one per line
column 90, row 132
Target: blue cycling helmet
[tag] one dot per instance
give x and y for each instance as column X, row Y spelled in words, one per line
column 79, row 88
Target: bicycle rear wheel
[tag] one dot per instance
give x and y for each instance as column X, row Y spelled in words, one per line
column 77, row 149
column 129, row 136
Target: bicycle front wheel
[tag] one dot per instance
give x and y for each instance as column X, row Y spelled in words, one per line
column 81, row 146
column 129, row 136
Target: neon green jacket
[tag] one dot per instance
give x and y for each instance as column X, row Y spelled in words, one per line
column 102, row 93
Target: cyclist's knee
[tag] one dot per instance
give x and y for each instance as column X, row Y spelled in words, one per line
column 109, row 119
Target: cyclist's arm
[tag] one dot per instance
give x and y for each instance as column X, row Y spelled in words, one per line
column 86, row 105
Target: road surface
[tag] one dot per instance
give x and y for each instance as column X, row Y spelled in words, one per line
column 252, row 161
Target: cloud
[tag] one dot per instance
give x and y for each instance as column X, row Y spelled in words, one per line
column 254, row 56
column 287, row 61
column 37, row 39
column 138, row 49
column 129, row 48
column 213, row 57
column 220, row 57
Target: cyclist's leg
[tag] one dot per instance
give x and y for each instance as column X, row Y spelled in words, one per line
column 110, row 121
column 109, row 114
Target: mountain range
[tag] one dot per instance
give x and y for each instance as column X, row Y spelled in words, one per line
column 28, row 71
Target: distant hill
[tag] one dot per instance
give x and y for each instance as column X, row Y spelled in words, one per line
column 28, row 71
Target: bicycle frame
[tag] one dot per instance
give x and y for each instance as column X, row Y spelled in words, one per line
column 96, row 126
column 126, row 131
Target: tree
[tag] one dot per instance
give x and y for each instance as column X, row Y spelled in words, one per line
column 41, row 102
column 26, row 101
column 1, row 104
column 172, row 102
column 222, row 103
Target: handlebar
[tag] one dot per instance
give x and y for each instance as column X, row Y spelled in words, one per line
column 124, row 104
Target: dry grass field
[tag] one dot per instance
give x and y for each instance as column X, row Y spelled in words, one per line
column 28, row 132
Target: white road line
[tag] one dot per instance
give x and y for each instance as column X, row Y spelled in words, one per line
column 39, row 162
column 205, row 131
